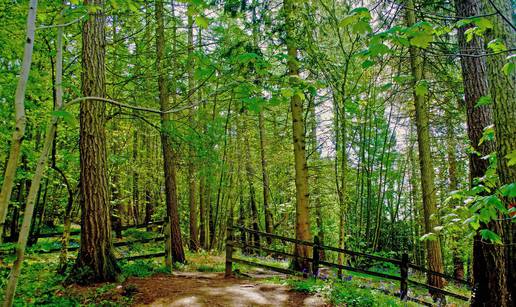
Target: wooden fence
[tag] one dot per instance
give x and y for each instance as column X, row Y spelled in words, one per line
column 115, row 244
column 403, row 264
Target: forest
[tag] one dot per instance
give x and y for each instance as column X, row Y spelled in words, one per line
column 145, row 143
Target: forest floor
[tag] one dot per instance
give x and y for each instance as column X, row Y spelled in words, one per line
column 200, row 282
column 212, row 289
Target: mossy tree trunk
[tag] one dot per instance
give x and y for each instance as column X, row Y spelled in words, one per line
column 298, row 135
column 434, row 255
column 502, row 87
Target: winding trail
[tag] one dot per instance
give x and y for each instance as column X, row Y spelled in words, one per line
column 213, row 290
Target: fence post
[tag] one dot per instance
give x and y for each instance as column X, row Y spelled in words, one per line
column 229, row 252
column 315, row 257
column 404, row 276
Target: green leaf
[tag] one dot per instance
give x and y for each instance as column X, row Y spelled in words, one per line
column 511, row 157
column 463, row 22
column 496, row 45
column 421, row 40
column 421, row 88
column 361, row 27
column 64, row 115
column 483, row 23
column 473, row 222
column 378, row 49
column 346, row 21
column 508, row 68
column 491, row 236
column 487, row 134
column 483, row 101
column 202, row 22
column 469, row 33
column 367, row 63
column 509, row 190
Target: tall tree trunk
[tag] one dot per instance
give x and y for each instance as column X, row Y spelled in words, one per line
column 458, row 263
column 95, row 261
column 488, row 267
column 19, row 108
column 434, row 256
column 265, row 178
column 136, row 176
column 502, row 86
column 298, row 135
column 176, row 252
column 194, row 237
column 250, row 182
column 314, row 152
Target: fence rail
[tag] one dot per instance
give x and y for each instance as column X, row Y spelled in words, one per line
column 403, row 264
column 78, row 231
column 12, row 251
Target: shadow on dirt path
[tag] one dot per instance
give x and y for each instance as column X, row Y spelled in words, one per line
column 213, row 290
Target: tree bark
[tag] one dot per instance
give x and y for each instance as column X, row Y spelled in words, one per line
column 194, row 236
column 176, row 252
column 20, row 119
column 434, row 256
column 488, row 267
column 95, row 261
column 502, row 87
column 298, row 135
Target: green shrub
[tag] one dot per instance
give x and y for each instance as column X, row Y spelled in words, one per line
column 141, row 268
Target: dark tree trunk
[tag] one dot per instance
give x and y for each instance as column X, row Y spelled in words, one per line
column 95, row 261
column 487, row 269
column 502, row 86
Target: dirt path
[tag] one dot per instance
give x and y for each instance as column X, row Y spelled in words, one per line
column 213, row 290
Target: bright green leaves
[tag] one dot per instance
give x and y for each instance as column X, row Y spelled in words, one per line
column 481, row 25
column 67, row 117
column 421, row 88
column 496, row 45
column 367, row 63
column 377, row 49
column 491, row 236
column 483, row 101
column 512, row 158
column 359, row 19
column 421, row 34
column 487, row 135
column 202, row 22
column 124, row 4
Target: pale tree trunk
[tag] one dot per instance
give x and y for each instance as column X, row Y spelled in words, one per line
column 95, row 261
column 340, row 179
column 502, row 88
column 36, row 181
column 175, row 250
column 434, row 256
column 19, row 108
column 298, row 135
